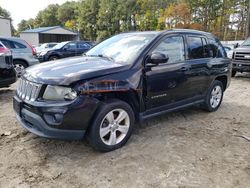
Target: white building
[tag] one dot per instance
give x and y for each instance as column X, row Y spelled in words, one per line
column 5, row 27
column 47, row 34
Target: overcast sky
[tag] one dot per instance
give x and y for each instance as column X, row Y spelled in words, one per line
column 25, row 9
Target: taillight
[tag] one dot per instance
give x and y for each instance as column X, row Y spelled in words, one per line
column 5, row 51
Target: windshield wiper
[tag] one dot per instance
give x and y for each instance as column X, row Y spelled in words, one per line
column 102, row 56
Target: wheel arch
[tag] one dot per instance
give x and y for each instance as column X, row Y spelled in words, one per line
column 22, row 60
column 224, row 80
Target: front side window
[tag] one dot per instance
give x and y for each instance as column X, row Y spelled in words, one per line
column 71, row 46
column 173, row 47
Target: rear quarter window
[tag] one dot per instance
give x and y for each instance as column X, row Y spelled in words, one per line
column 216, row 48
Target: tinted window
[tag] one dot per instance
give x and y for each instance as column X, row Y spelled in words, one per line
column 216, row 48
column 195, row 48
column 173, row 47
column 1, row 46
column 83, row 45
column 8, row 44
column 71, row 46
column 18, row 45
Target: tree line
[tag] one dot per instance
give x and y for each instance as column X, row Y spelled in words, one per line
column 99, row 19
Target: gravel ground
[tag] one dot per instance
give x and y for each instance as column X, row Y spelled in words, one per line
column 189, row 148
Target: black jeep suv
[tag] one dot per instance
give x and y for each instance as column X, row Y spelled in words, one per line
column 241, row 58
column 127, row 78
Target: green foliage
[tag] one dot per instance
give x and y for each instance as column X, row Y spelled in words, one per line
column 100, row 19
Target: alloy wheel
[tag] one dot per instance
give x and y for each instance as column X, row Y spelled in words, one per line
column 114, row 127
column 216, row 96
column 19, row 69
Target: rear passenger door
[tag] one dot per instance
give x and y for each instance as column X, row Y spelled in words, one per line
column 83, row 47
column 200, row 60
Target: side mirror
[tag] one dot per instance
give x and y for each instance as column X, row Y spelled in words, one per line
column 158, row 58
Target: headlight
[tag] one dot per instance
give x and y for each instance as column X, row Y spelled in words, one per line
column 59, row 93
column 43, row 53
column 230, row 54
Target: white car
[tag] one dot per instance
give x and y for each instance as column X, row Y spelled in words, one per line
column 45, row 46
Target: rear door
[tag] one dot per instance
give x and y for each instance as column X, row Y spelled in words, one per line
column 200, row 61
column 83, row 47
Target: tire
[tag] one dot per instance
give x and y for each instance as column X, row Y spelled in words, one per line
column 53, row 57
column 19, row 67
column 234, row 73
column 104, row 135
column 214, row 96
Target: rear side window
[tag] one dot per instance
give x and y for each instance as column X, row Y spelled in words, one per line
column 18, row 45
column 197, row 48
column 216, row 48
column 83, row 45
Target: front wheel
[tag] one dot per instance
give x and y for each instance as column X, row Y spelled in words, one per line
column 112, row 126
column 214, row 96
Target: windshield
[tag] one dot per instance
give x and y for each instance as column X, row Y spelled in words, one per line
column 122, row 48
column 60, row 45
column 246, row 42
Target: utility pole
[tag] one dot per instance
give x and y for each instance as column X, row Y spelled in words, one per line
column 248, row 19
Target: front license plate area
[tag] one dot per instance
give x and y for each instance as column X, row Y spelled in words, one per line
column 17, row 105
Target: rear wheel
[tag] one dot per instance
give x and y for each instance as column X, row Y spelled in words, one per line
column 112, row 126
column 234, row 73
column 214, row 96
column 19, row 67
column 53, row 57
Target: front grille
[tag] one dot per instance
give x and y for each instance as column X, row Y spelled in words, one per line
column 242, row 56
column 27, row 90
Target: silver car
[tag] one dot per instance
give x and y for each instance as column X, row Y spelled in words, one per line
column 23, row 54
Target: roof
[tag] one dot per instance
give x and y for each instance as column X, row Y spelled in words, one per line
column 190, row 31
column 44, row 29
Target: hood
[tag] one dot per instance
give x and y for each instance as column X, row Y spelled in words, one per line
column 242, row 49
column 69, row 70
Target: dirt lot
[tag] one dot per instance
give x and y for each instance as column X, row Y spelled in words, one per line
column 190, row 148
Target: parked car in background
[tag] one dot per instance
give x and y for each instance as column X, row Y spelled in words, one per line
column 45, row 46
column 7, row 71
column 23, row 54
column 241, row 58
column 63, row 50
column 126, row 78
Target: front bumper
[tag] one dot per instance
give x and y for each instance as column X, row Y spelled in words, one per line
column 67, row 121
column 37, row 126
column 241, row 66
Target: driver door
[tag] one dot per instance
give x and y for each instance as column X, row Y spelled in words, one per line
column 70, row 49
column 165, row 81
